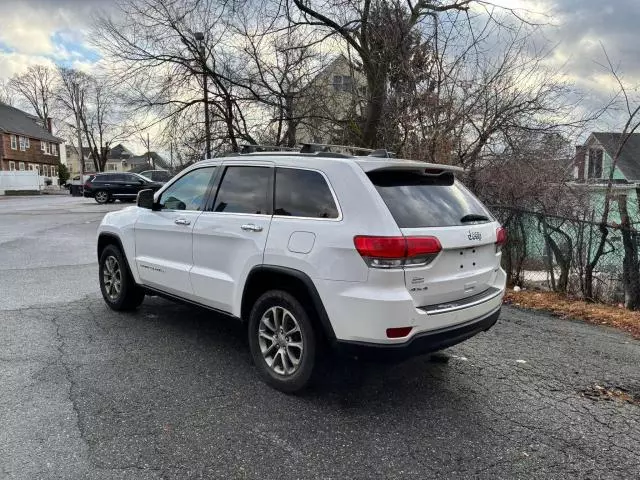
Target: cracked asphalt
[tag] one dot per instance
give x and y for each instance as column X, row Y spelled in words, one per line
column 170, row 392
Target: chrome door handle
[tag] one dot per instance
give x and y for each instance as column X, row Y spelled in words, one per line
column 251, row 227
column 182, row 221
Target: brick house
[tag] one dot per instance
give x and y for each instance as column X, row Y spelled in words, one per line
column 25, row 144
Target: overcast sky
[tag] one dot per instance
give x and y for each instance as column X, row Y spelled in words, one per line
column 56, row 32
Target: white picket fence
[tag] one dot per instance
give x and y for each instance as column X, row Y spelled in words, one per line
column 20, row 180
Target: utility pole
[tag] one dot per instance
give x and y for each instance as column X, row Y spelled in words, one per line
column 150, row 161
column 199, row 36
column 80, row 156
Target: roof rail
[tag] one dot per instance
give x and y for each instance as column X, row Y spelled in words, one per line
column 382, row 153
column 326, row 147
column 251, row 148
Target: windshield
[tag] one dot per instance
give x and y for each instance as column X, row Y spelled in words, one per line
column 416, row 200
column 140, row 177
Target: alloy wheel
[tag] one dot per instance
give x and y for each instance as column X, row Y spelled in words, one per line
column 280, row 340
column 112, row 277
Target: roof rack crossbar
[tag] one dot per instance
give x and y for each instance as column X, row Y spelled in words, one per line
column 326, row 147
column 251, row 148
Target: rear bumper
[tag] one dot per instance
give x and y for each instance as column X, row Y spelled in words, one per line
column 422, row 343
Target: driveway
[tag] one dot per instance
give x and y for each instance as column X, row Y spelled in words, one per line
column 169, row 392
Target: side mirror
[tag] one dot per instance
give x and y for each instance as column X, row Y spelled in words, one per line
column 145, row 199
column 141, row 182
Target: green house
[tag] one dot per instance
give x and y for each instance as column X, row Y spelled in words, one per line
column 592, row 167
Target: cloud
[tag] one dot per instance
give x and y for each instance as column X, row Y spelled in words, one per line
column 46, row 31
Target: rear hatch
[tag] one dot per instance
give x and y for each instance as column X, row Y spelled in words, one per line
column 430, row 202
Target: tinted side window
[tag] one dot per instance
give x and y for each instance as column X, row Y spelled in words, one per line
column 188, row 192
column 103, row 178
column 119, row 177
column 244, row 190
column 303, row 193
column 417, row 200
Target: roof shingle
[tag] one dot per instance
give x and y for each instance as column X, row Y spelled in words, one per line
column 629, row 160
column 18, row 122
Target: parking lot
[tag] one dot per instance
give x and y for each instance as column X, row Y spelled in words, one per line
column 170, row 392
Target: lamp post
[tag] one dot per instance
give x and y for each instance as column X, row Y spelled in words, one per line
column 199, row 36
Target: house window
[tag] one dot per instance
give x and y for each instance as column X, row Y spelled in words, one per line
column 23, row 143
column 595, row 163
column 342, row 83
column 12, row 166
column 14, row 142
column 54, row 149
column 47, row 147
column 27, row 142
column 21, row 166
column 53, row 172
column 43, row 146
column 45, row 169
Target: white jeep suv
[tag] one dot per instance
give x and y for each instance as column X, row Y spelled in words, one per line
column 362, row 253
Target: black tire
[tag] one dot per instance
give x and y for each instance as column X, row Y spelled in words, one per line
column 101, row 197
column 130, row 295
column 301, row 376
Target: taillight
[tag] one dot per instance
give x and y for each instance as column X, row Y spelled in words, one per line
column 87, row 184
column 396, row 252
column 501, row 236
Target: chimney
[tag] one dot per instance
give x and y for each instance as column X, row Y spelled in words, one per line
column 49, row 125
column 579, row 161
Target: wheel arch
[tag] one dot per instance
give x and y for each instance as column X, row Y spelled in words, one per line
column 272, row 277
column 108, row 238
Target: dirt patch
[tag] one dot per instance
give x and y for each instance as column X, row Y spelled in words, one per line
column 608, row 394
column 566, row 307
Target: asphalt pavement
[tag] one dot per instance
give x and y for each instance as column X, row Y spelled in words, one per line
column 169, row 391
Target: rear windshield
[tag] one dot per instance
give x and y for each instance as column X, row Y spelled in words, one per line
column 416, row 200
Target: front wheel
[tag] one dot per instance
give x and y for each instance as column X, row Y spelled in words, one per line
column 118, row 287
column 102, row 197
column 282, row 341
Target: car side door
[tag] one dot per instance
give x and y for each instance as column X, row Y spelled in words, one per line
column 230, row 237
column 131, row 184
column 163, row 236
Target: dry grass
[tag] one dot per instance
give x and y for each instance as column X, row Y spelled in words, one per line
column 565, row 307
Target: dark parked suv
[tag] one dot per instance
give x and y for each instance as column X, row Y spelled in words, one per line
column 107, row 187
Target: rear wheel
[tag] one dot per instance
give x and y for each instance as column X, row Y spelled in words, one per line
column 118, row 287
column 102, row 197
column 282, row 341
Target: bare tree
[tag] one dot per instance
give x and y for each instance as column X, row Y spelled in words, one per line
column 281, row 67
column 361, row 25
column 153, row 45
column 94, row 101
column 36, row 87
column 6, row 95
column 631, row 268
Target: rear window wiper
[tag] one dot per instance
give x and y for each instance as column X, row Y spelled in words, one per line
column 474, row 217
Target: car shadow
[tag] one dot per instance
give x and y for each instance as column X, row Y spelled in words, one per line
column 347, row 381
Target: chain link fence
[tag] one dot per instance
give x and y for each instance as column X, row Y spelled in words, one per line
column 552, row 253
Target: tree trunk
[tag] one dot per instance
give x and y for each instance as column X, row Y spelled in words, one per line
column 630, row 266
column 376, row 83
column 291, row 122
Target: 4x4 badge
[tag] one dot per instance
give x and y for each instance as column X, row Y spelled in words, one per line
column 474, row 235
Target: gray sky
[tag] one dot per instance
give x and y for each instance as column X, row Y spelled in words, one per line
column 56, row 31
